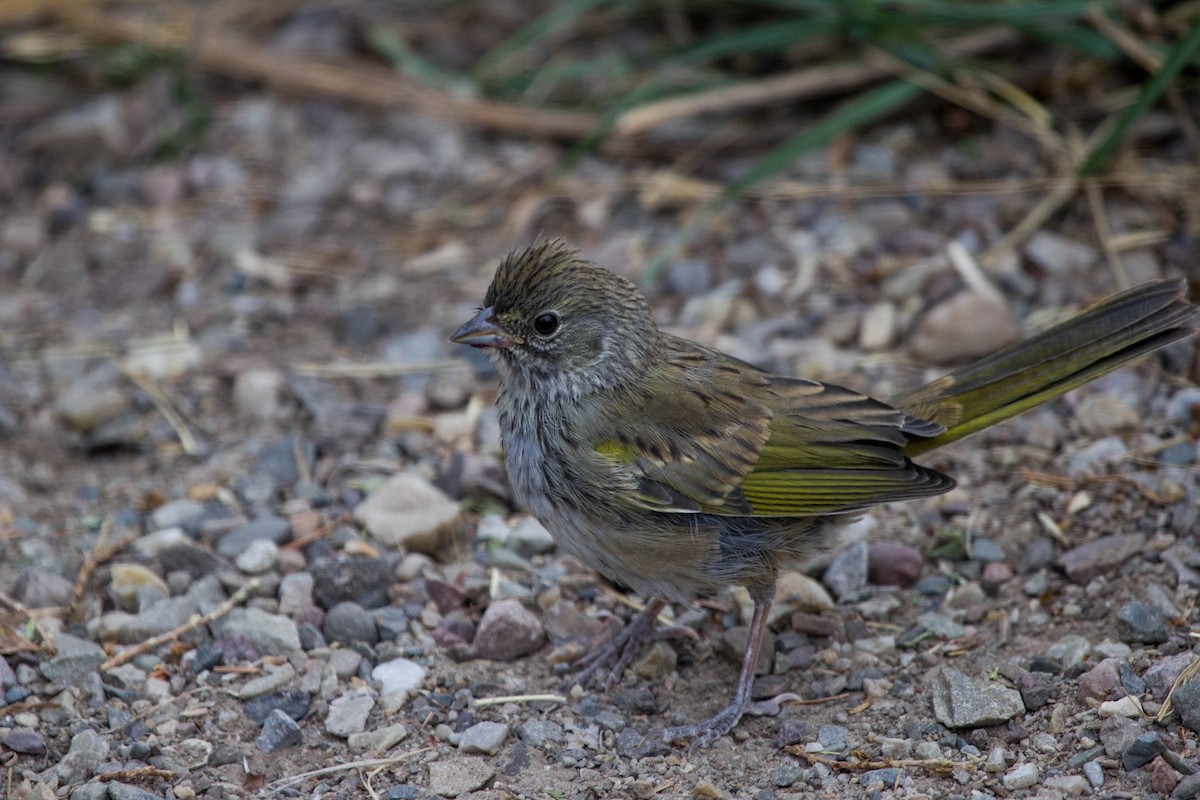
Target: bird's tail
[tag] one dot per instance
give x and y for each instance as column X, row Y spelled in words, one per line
column 1099, row 339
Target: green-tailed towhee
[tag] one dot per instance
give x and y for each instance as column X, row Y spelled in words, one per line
column 678, row 470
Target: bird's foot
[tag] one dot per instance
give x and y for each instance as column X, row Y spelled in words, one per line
column 620, row 650
column 706, row 733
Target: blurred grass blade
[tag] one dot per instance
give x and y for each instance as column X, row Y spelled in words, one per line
column 407, row 61
column 560, row 16
column 863, row 110
column 775, row 36
column 1180, row 55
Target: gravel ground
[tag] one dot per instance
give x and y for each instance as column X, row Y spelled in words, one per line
column 227, row 405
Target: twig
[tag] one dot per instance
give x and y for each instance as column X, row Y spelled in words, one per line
column 47, row 638
column 518, row 698
column 102, row 550
column 165, row 406
column 140, row 773
column 319, row 533
column 1104, row 232
column 195, row 622
column 938, row 766
column 362, row 82
column 370, row 763
column 810, row 82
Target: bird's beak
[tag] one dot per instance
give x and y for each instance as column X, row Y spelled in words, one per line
column 483, row 330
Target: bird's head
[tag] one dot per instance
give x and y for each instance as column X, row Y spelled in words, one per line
column 553, row 318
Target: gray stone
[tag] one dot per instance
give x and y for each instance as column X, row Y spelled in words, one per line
column 1099, row 556
column 483, row 737
column 88, row 750
column 181, row 513
column 1117, row 734
column 1141, row 623
column 459, row 776
column 539, row 732
column 962, row 702
column 1094, row 774
column 997, row 761
column 846, row 575
column 348, row 713
column 1070, row 650
column 124, row 791
column 37, row 588
column 267, row 528
column 507, row 630
column 348, row 622
column 968, row 325
column 163, row 616
column 399, row 675
column 407, row 511
column 1021, row 776
column 1095, row 458
column 272, row 634
column 1186, row 702
column 258, row 557
column 359, row 579
column 75, row 659
column 379, row 740
column 1161, row 675
column 833, row 738
column 279, row 732
column 295, row 593
column 1144, row 749
column 940, row 625
column 1058, row 255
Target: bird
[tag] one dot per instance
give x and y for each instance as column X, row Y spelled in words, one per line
column 677, row 470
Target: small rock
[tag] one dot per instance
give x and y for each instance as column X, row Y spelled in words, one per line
column 1102, row 414
column 407, row 511
column 1093, row 459
column 459, row 776
column 1124, row 707
column 258, row 557
column 359, row 579
column 733, row 647
column 26, row 742
column 399, row 675
column 833, row 738
column 379, row 740
column 539, row 732
column 1141, row 623
column 292, row 702
column 1058, row 255
column 1117, row 734
column 507, row 631
column 279, row 733
column 88, row 750
column 659, row 661
column 1099, row 556
column 1145, row 748
column 962, row 702
column 257, row 393
column 37, row 588
column 1186, row 702
column 1161, row 675
column 997, row 761
column 348, row 622
column 1102, row 680
column 75, row 659
column 1068, row 785
column 968, row 325
column 846, row 575
column 86, row 406
column 1070, row 650
column 130, row 580
column 296, row 594
column 483, row 737
column 266, row 528
column 345, row 662
column 1021, row 776
column 348, row 713
column 1162, row 777
column 1187, row 789
column 530, row 538
column 893, row 564
column 1094, row 774
column 940, row 625
column 271, row 634
column 878, row 327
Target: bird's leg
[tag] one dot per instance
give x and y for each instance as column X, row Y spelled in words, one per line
column 706, row 732
column 621, row 649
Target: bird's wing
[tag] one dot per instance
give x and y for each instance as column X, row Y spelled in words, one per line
column 727, row 438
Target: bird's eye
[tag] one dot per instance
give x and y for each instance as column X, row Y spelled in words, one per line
column 546, row 324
